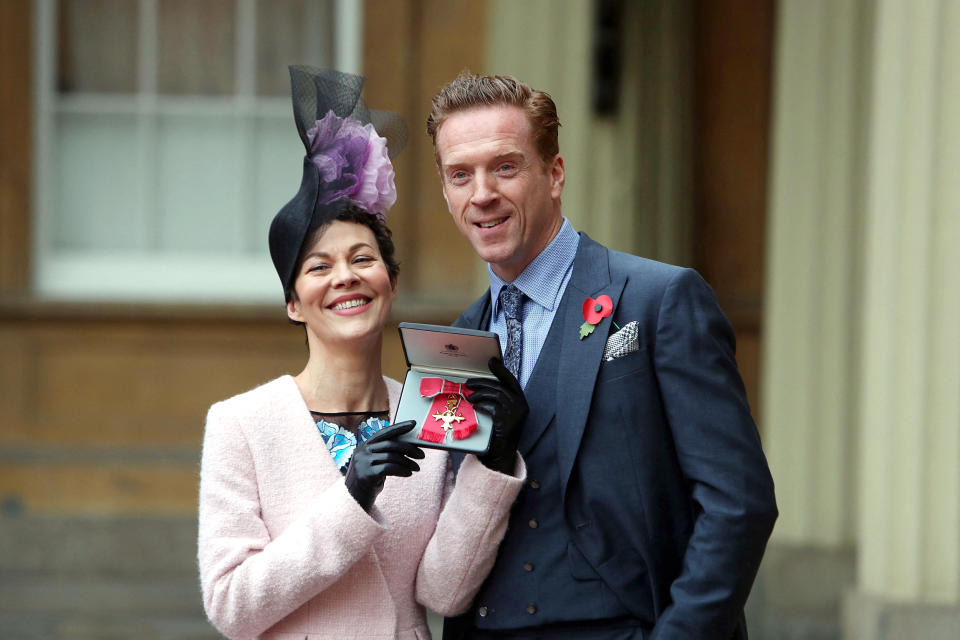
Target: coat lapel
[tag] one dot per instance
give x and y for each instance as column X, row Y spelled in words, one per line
column 294, row 420
column 579, row 360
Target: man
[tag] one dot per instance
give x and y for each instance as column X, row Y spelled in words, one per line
column 649, row 502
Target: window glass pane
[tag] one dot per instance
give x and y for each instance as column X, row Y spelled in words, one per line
column 183, row 184
column 291, row 32
column 199, row 185
column 96, row 195
column 196, row 42
column 278, row 170
column 98, row 46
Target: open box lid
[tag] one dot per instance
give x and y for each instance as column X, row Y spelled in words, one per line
column 440, row 347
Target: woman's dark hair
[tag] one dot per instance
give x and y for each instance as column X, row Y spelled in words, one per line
column 380, row 231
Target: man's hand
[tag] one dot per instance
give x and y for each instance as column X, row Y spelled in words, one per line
column 504, row 401
column 379, row 457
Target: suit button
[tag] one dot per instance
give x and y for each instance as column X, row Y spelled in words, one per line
column 482, row 611
column 534, row 484
column 528, row 566
column 531, row 609
column 533, row 523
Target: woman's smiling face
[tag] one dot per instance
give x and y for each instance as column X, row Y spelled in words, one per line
column 343, row 290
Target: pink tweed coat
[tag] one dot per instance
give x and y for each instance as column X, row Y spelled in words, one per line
column 286, row 552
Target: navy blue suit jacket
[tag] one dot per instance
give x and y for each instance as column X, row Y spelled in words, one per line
column 666, row 491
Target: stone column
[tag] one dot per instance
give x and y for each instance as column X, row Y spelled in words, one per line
column 908, row 577
column 809, row 369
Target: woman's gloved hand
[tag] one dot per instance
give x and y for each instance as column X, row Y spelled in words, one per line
column 504, row 401
column 379, row 457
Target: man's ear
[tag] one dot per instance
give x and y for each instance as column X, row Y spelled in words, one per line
column 557, row 177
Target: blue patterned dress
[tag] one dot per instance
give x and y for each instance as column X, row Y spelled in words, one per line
column 341, row 441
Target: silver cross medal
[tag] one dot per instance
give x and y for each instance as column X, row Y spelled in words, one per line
column 449, row 416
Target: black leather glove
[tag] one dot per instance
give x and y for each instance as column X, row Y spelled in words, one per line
column 379, row 457
column 503, row 399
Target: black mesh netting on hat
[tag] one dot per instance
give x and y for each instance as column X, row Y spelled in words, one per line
column 318, row 91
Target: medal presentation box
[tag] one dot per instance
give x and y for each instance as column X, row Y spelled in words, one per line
column 439, row 360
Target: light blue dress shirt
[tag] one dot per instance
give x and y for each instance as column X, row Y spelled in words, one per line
column 543, row 282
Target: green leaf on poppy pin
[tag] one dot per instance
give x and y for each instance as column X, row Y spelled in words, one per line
column 586, row 329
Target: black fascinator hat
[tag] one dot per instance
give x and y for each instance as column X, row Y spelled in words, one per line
column 347, row 163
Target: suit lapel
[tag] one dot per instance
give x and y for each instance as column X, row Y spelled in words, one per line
column 540, row 392
column 579, row 360
column 575, row 361
column 541, row 389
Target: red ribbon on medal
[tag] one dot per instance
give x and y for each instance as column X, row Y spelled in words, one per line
column 449, row 412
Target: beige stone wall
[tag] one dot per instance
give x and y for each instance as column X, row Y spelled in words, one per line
column 861, row 369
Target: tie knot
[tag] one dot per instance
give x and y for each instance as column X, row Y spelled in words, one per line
column 510, row 299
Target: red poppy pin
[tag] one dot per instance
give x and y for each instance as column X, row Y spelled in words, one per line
column 593, row 312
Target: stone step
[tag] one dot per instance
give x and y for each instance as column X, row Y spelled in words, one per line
column 100, row 578
column 34, row 594
column 82, row 626
column 158, row 546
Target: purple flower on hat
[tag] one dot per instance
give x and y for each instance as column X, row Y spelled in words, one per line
column 353, row 164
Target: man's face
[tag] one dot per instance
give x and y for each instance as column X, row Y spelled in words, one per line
column 502, row 197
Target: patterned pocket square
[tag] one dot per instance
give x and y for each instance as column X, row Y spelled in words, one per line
column 622, row 342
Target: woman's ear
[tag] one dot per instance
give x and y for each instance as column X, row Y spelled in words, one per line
column 293, row 309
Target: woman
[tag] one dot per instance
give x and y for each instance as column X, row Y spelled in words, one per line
column 314, row 521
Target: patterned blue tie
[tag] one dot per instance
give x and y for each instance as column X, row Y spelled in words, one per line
column 511, row 299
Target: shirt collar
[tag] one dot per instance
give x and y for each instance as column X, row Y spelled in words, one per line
column 541, row 279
